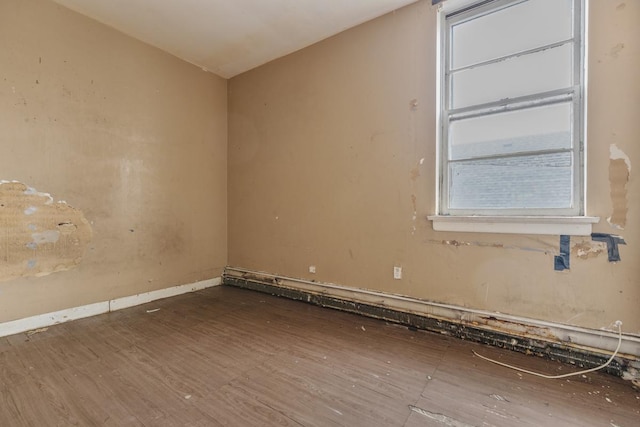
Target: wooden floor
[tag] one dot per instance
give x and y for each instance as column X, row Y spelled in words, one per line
column 227, row 356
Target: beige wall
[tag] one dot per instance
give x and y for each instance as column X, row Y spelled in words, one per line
column 325, row 169
column 133, row 139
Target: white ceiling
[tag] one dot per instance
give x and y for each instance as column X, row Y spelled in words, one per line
column 228, row 37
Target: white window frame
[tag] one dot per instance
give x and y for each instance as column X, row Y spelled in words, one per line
column 572, row 221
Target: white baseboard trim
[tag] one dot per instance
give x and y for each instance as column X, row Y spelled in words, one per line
column 591, row 340
column 130, row 301
column 49, row 319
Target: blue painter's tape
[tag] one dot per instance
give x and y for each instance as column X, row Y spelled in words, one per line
column 612, row 242
column 561, row 262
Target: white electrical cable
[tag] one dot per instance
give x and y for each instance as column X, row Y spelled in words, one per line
column 618, row 324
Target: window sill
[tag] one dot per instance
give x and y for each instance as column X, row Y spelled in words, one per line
column 552, row 225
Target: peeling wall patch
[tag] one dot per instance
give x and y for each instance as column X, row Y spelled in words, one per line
column 39, row 236
column 619, row 172
column 33, row 192
column 67, row 227
column 586, row 250
column 489, row 245
column 49, row 236
column 615, row 153
column 30, row 210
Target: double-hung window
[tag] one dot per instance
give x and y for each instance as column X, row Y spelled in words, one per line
column 512, row 89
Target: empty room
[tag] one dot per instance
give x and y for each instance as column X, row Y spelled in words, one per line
column 320, row 213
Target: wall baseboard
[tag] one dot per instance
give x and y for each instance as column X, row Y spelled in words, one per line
column 586, row 348
column 130, row 301
column 49, row 319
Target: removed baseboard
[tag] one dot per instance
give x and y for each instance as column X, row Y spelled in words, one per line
column 582, row 347
column 74, row 313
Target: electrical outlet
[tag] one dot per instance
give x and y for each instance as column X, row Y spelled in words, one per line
column 397, row 273
column 312, row 269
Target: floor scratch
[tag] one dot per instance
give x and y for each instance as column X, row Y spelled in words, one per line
column 443, row 419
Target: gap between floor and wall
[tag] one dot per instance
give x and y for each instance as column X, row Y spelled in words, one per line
column 585, row 348
column 582, row 347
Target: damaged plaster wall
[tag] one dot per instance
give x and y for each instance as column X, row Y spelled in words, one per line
column 40, row 237
column 619, row 174
column 331, row 164
column 132, row 138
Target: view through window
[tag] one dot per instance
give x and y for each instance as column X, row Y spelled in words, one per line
column 512, row 109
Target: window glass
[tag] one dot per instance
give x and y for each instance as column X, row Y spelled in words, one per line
column 518, row 27
column 533, row 129
column 524, row 75
column 523, row 182
column 512, row 110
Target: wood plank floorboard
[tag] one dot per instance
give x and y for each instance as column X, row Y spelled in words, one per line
column 232, row 357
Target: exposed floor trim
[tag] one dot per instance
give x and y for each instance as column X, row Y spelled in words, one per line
column 49, row 319
column 130, row 301
column 579, row 346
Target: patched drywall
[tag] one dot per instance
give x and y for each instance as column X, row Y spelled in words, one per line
column 40, row 236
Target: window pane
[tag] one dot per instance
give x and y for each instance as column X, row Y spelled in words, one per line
column 533, row 129
column 524, row 75
column 538, row 181
column 523, row 26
